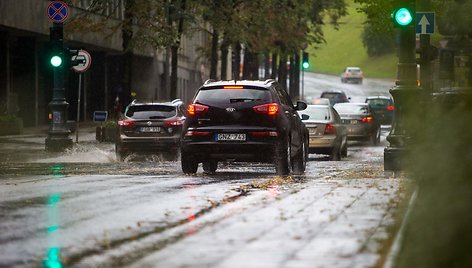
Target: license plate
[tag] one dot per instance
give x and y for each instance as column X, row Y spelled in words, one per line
column 231, row 137
column 150, row 129
column 353, row 122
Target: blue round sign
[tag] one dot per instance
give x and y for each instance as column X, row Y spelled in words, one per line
column 58, row 11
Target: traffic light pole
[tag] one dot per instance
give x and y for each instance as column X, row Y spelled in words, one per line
column 58, row 134
column 406, row 95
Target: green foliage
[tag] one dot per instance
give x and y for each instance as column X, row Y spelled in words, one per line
column 344, row 47
column 10, row 124
column 439, row 231
column 376, row 43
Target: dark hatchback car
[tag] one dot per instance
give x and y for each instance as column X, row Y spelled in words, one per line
column 382, row 108
column 359, row 122
column 334, row 96
column 244, row 121
column 149, row 127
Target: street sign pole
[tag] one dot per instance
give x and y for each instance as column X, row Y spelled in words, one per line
column 78, row 109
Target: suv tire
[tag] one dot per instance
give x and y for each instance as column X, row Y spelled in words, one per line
column 299, row 162
column 189, row 164
column 210, row 166
column 283, row 161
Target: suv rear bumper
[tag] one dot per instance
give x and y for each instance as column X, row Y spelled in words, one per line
column 243, row 152
column 149, row 144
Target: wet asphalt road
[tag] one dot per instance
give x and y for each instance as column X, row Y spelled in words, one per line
column 83, row 209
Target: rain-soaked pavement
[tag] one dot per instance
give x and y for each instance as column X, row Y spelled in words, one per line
column 82, row 208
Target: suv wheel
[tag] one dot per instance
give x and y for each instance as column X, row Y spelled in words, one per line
column 283, row 161
column 299, row 163
column 189, row 165
column 210, row 166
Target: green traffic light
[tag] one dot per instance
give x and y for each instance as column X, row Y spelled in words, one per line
column 403, row 16
column 306, row 65
column 56, row 61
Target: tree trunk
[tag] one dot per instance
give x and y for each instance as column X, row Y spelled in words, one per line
column 214, row 55
column 266, row 65
column 247, row 64
column 282, row 77
column 173, row 72
column 224, row 58
column 274, row 72
column 236, row 61
column 175, row 53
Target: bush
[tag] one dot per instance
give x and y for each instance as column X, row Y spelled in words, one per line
column 10, row 125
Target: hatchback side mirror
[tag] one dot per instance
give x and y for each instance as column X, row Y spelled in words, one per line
column 301, row 105
column 305, row 117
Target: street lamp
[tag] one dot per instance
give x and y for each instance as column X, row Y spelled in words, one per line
column 405, row 93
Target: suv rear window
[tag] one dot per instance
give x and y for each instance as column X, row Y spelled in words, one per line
column 226, row 96
column 151, row 111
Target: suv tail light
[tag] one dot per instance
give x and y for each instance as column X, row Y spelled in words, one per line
column 390, row 108
column 194, row 109
column 366, row 119
column 174, row 123
column 126, row 123
column 269, row 109
column 330, row 129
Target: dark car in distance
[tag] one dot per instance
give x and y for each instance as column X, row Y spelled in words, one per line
column 244, row 121
column 359, row 122
column 334, row 96
column 150, row 127
column 382, row 108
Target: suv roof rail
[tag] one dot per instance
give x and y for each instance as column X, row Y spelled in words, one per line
column 209, row 81
column 267, row 81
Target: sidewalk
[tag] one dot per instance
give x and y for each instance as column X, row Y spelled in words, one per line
column 29, row 146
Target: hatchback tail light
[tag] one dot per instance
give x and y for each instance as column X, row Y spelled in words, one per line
column 366, row 119
column 390, row 108
column 268, row 109
column 174, row 123
column 330, row 129
column 194, row 109
column 126, row 123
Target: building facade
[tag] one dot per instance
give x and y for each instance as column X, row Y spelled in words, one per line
column 26, row 79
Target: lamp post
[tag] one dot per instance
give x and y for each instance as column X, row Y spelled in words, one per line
column 406, row 93
column 58, row 134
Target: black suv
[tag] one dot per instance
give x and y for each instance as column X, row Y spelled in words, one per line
column 149, row 127
column 244, row 121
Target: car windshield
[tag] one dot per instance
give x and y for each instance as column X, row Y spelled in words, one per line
column 351, row 108
column 317, row 113
column 151, row 111
column 219, row 95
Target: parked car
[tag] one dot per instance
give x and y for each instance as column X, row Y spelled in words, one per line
column 352, row 74
column 327, row 133
column 150, row 127
column 244, row 121
column 335, row 96
column 359, row 122
column 382, row 107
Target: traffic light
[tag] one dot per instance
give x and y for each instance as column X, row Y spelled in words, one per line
column 56, row 55
column 404, row 13
column 305, row 61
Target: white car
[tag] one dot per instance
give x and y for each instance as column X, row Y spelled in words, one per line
column 352, row 74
